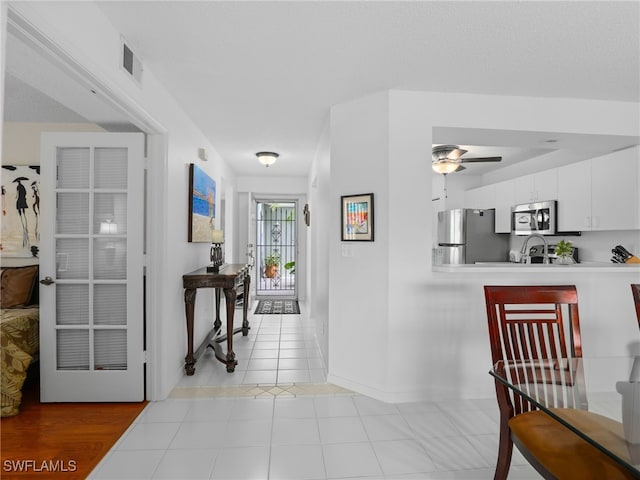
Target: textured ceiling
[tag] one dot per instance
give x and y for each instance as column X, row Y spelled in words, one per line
column 264, row 75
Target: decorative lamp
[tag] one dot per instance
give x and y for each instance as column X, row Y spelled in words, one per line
column 216, row 256
column 108, row 227
column 267, row 158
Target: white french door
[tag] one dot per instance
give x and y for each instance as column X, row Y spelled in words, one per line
column 91, row 267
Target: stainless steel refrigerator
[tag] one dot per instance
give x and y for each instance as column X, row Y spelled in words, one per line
column 468, row 235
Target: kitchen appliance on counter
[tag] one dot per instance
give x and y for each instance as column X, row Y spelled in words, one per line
column 537, row 217
column 536, row 254
column 468, row 235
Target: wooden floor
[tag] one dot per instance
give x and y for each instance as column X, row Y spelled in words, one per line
column 60, row 440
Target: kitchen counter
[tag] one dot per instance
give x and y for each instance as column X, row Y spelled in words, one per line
column 537, row 268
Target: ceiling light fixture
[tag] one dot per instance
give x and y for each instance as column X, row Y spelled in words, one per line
column 445, row 166
column 267, row 158
column 446, row 158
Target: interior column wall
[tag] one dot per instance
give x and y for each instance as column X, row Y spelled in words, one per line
column 318, row 240
column 358, row 276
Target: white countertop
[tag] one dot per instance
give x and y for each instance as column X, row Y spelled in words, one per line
column 536, row 268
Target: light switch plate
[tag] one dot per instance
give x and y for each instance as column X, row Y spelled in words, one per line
column 347, row 250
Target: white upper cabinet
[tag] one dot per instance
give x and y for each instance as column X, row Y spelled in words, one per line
column 614, row 190
column 600, row 193
column 574, row 197
column 536, row 187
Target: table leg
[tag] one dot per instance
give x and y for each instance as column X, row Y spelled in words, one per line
column 189, row 303
column 245, row 306
column 218, row 322
column 230, row 299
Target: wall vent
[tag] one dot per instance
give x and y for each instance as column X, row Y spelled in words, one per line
column 131, row 63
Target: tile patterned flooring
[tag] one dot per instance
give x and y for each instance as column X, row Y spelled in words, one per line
column 275, row 418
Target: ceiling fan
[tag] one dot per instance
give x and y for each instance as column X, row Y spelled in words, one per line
column 447, row 159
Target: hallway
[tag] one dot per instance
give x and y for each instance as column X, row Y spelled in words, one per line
column 279, row 350
column 276, row 418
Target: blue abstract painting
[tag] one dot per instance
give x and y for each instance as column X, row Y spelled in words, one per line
column 202, row 205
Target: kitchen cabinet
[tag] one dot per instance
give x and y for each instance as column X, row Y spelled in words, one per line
column 481, row 197
column 614, row 191
column 574, row 197
column 536, row 187
column 504, row 195
column 600, row 193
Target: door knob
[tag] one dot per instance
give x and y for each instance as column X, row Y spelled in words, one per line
column 47, row 281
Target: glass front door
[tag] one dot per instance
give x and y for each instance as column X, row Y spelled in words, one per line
column 276, row 249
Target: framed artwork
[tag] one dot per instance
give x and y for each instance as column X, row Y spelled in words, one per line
column 202, row 206
column 357, row 217
column 20, row 211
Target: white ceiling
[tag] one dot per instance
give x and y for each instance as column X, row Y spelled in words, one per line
column 263, row 75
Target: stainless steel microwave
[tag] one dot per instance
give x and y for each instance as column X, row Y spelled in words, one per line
column 538, row 217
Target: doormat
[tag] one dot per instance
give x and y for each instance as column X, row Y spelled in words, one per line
column 277, row 307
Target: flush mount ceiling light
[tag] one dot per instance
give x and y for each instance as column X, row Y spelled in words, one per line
column 267, row 158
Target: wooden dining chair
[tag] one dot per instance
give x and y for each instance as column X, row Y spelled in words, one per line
column 635, row 289
column 535, row 331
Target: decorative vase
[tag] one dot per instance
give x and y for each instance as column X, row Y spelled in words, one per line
column 565, row 260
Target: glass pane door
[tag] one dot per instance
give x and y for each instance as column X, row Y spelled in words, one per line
column 91, row 263
column 91, row 258
column 276, row 249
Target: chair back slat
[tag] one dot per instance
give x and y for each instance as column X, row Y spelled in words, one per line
column 635, row 289
column 534, row 329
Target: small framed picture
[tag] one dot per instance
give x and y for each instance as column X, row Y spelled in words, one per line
column 357, row 217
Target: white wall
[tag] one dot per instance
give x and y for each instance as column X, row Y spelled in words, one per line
column 82, row 31
column 21, row 140
column 322, row 215
column 3, row 56
column 272, row 184
column 422, row 334
column 358, row 277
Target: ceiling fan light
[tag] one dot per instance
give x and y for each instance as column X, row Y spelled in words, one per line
column 445, row 166
column 267, row 158
column 446, row 152
column 456, row 154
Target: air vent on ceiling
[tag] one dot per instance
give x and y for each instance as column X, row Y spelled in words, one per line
column 131, row 63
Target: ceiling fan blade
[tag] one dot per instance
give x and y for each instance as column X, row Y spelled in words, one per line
column 481, row 159
column 460, row 168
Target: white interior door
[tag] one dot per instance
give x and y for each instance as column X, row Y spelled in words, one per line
column 91, row 267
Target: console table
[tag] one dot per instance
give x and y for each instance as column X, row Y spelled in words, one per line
column 230, row 279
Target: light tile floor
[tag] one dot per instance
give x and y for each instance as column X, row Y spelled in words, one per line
column 275, row 418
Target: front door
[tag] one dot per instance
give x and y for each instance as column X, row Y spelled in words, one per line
column 276, row 249
column 91, row 267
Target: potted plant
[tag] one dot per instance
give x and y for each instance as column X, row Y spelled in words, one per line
column 271, row 264
column 564, row 252
column 290, row 267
